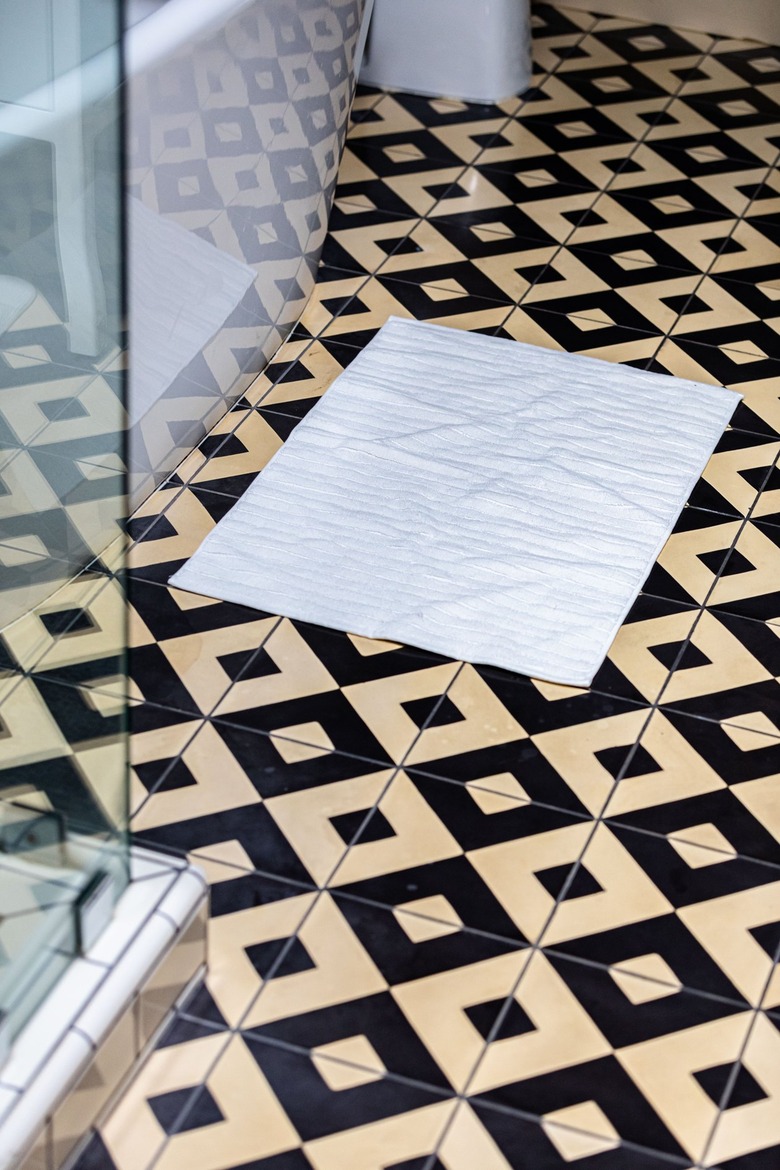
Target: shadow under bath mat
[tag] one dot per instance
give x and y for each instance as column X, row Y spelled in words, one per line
column 480, row 498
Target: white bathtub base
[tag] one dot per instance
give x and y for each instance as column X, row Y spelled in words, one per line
column 87, row 1040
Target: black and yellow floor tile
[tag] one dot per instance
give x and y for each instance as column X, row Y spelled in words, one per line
column 462, row 918
column 714, row 789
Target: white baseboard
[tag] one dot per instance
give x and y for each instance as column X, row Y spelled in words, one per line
column 757, row 20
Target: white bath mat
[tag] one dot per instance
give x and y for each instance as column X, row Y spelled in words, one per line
column 480, row 498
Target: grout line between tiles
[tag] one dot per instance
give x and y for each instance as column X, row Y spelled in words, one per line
column 732, row 1077
column 395, row 770
column 703, row 608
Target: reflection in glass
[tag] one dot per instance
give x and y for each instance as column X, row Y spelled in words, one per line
column 63, row 786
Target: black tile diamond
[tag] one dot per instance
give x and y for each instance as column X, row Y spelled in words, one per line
column 613, row 759
column 162, row 528
column 178, row 777
column 263, row 955
column 589, row 218
column 446, row 191
column 514, row 1023
column 724, row 245
column 715, row 1081
column 553, row 880
column 234, row 663
column 75, row 621
column 755, row 476
column 685, row 303
column 668, row 653
column 62, row 409
column 377, row 829
column 736, row 563
column 421, row 711
column 405, row 248
column 167, row 1108
column 422, row 1163
column 768, row 938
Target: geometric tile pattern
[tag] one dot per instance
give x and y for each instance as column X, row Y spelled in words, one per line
column 460, row 917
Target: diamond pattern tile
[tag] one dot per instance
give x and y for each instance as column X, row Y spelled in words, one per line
column 462, row 918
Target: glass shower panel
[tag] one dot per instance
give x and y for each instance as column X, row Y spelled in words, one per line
column 63, row 751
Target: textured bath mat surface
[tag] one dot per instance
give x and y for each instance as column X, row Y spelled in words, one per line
column 481, row 498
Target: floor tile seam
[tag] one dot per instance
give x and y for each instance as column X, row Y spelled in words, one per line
column 595, row 20
column 312, row 337
column 188, row 1105
column 731, row 1080
column 29, row 444
column 200, row 856
column 415, row 222
column 479, row 298
column 715, row 511
column 589, row 248
column 645, row 1149
column 470, row 1101
column 768, row 438
column 723, row 608
column 129, row 706
column 601, row 818
column 535, row 946
column 230, row 722
column 667, row 335
column 322, row 892
column 705, row 603
column 150, row 792
column 605, row 190
column 770, row 171
column 397, row 769
column 635, row 194
column 209, row 714
column 556, row 950
column 53, row 639
column 538, row 1119
column 524, row 99
column 152, row 520
column 545, row 307
column 314, row 1051
column 376, row 97
column 419, row 771
column 731, row 720
column 338, row 893
column 693, row 340
column 371, row 144
column 615, row 821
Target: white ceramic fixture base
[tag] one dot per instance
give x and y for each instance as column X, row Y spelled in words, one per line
column 450, row 48
column 43, row 1112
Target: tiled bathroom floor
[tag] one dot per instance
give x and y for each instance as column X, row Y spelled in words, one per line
column 461, row 918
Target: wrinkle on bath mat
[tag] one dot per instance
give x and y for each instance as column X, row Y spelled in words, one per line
column 480, row 498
